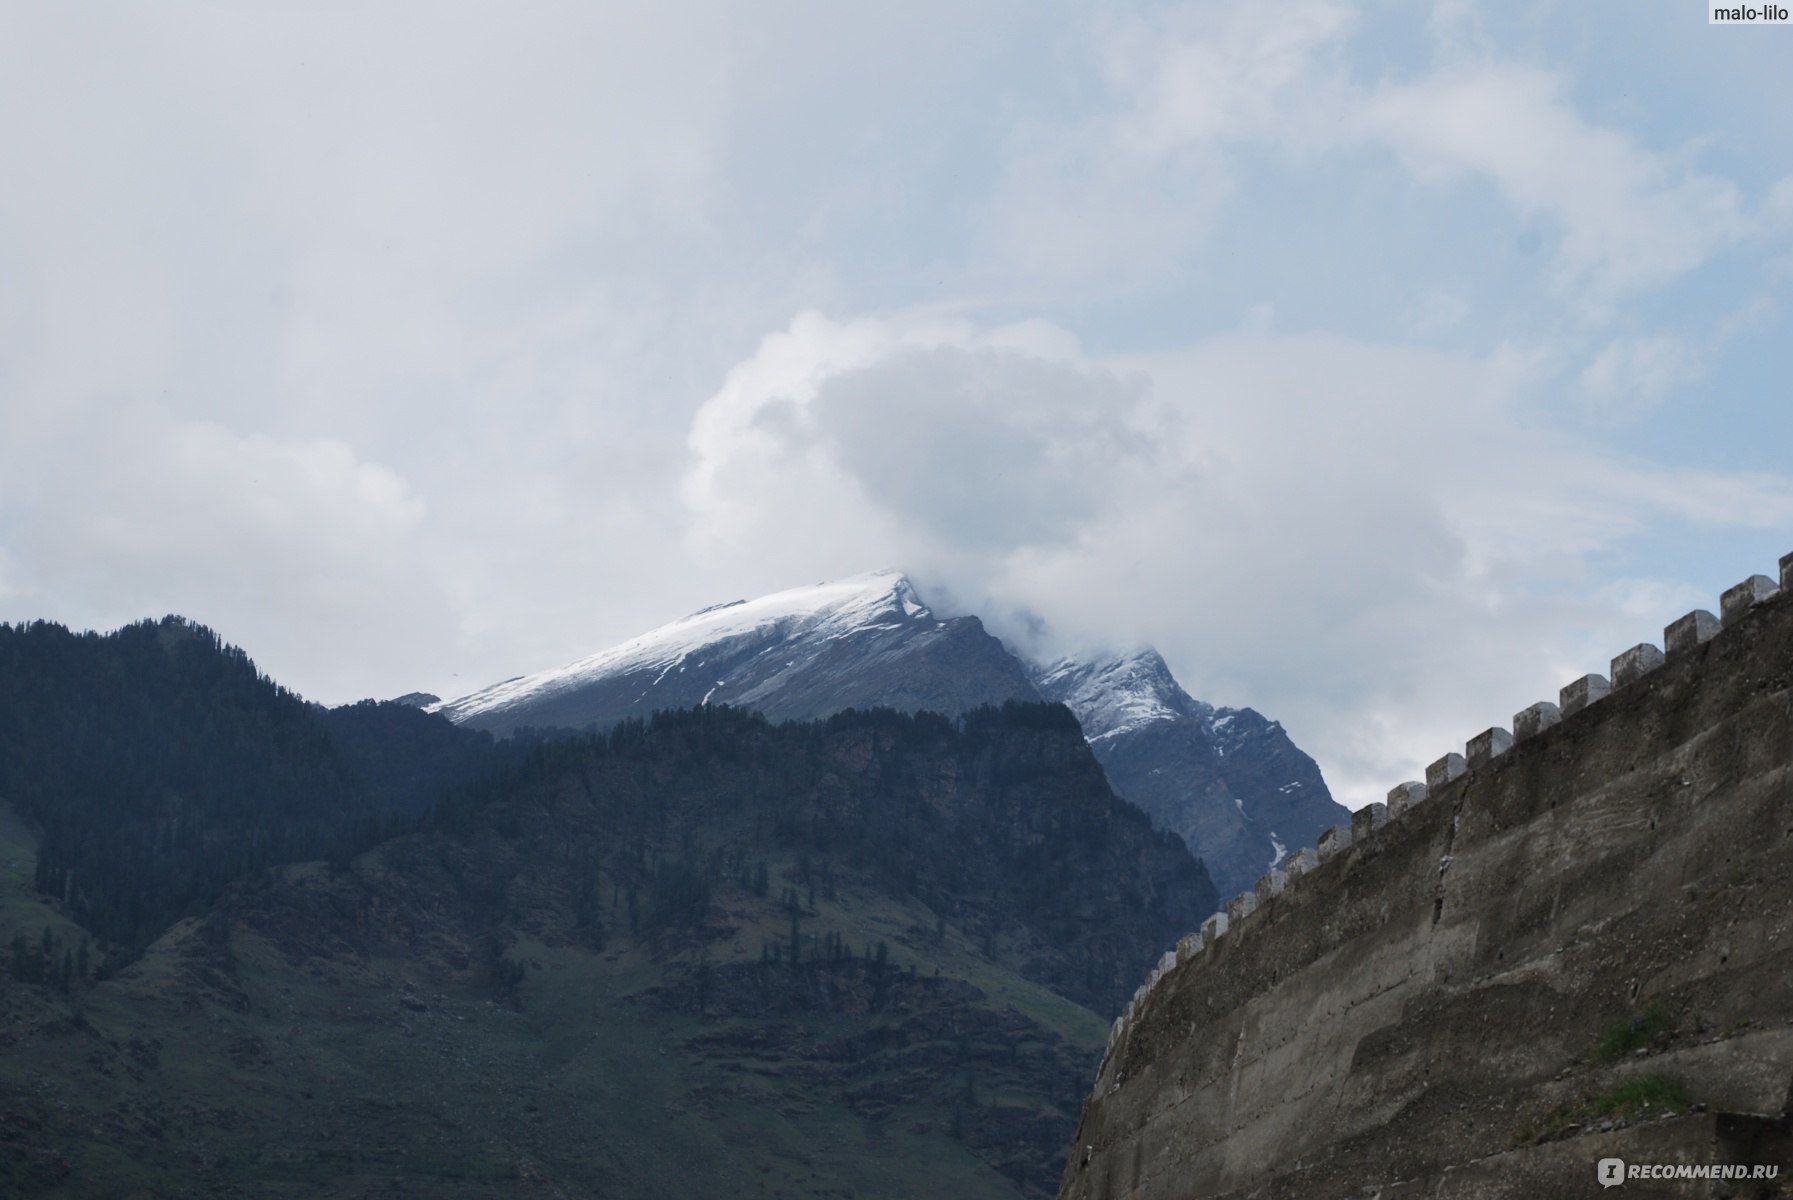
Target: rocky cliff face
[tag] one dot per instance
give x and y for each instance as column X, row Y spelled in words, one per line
column 1559, row 951
column 1227, row 781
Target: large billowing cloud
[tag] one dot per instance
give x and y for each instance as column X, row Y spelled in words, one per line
column 1383, row 363
column 942, row 438
column 1339, row 533
column 289, row 546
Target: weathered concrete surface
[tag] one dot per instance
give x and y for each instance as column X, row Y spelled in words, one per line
column 1488, row 744
column 1582, row 692
column 1735, row 603
column 1450, row 767
column 1407, row 1018
column 1404, row 796
column 1685, row 633
column 1635, row 663
column 1535, row 720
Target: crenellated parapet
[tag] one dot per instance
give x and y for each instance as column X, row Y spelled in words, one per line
column 1579, row 703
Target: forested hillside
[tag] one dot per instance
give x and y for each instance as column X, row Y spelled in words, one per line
column 254, row 946
column 158, row 765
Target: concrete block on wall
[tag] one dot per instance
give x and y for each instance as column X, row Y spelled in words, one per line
column 1403, row 796
column 1635, row 663
column 1686, row 633
column 1530, row 722
column 1241, row 906
column 1368, row 820
column 1737, row 601
column 1214, row 927
column 1584, row 691
column 1450, row 767
column 1269, row 885
column 1301, row 862
column 1333, row 841
column 1487, row 745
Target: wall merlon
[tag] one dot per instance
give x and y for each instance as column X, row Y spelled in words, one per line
column 1530, row 722
column 1214, row 927
column 1333, row 841
column 1584, row 691
column 1737, row 601
column 1688, row 632
column 1167, row 962
column 1301, row 862
column 1368, row 820
column 1487, row 745
column 1188, row 946
column 1270, row 885
column 1241, row 906
column 1787, row 573
column 1404, row 796
column 1635, row 663
column 1440, row 773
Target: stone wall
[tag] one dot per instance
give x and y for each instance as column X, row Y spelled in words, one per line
column 1467, row 990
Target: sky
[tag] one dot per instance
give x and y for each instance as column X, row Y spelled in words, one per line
column 1386, row 365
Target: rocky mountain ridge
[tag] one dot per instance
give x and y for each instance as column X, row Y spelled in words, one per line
column 863, row 642
column 1227, row 781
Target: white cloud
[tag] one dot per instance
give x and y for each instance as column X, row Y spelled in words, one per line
column 1439, row 312
column 933, row 437
column 1631, row 219
column 389, row 342
column 286, row 546
column 1226, row 72
column 1194, row 87
column 1119, row 198
column 1630, row 375
column 1297, row 521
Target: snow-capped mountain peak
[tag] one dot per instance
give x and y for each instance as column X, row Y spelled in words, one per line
column 1113, row 694
column 791, row 653
column 1227, row 781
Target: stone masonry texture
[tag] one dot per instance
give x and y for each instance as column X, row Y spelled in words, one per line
column 1424, row 1013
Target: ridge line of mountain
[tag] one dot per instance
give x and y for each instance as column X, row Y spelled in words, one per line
column 1229, row 782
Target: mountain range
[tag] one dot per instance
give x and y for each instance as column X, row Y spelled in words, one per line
column 252, row 946
column 1228, row 781
column 819, row 894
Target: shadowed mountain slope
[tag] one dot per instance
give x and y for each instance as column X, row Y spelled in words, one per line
column 704, row 955
column 1227, row 781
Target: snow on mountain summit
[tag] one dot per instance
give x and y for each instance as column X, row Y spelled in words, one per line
column 805, row 651
column 1226, row 780
column 1113, row 694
